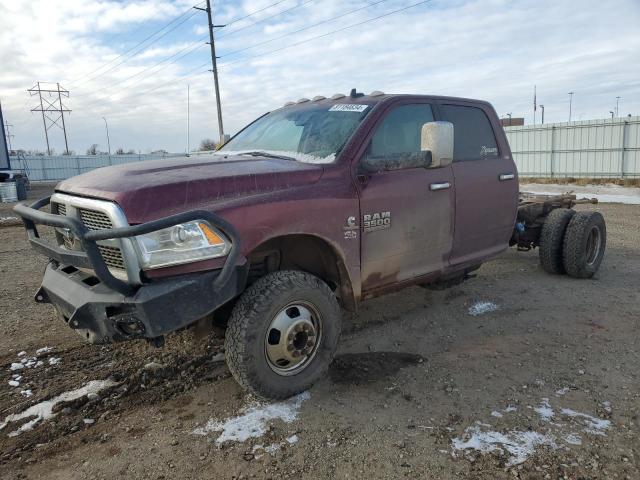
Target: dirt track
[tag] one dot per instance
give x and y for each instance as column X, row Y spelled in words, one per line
column 415, row 372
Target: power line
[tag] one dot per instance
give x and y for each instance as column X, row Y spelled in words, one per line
column 192, row 47
column 191, row 73
column 263, row 19
column 190, row 13
column 304, row 28
column 254, row 12
column 242, row 59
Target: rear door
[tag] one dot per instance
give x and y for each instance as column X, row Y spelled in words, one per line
column 406, row 211
column 486, row 182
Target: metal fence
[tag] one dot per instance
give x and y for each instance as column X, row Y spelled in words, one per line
column 608, row 148
column 53, row 168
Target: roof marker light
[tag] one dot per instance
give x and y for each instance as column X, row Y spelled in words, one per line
column 302, row 100
column 337, row 96
column 376, row 93
column 317, row 98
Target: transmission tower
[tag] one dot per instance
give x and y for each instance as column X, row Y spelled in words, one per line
column 53, row 112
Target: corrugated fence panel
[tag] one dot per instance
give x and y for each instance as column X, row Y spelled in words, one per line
column 594, row 148
column 60, row 167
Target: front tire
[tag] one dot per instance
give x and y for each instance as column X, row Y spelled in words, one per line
column 282, row 334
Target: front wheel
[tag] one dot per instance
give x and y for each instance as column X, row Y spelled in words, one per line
column 282, row 334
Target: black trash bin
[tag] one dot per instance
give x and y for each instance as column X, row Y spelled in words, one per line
column 21, row 188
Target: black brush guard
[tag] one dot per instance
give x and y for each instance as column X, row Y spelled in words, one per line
column 113, row 309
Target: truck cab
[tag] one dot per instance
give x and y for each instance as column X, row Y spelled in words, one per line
column 307, row 211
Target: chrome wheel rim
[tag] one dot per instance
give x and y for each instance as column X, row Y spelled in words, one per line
column 594, row 241
column 293, row 338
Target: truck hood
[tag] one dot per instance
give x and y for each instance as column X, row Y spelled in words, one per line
column 155, row 188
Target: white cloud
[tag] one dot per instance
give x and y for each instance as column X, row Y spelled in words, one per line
column 491, row 49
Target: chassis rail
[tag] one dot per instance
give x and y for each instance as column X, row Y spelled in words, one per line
column 91, row 257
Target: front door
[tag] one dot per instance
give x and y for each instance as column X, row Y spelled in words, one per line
column 486, row 184
column 406, row 210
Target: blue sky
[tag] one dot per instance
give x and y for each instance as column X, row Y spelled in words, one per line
column 490, row 49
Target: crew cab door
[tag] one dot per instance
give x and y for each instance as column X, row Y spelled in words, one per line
column 406, row 210
column 486, row 183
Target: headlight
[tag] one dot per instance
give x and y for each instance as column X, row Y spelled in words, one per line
column 187, row 242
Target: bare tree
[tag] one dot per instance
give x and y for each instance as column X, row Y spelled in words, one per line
column 207, row 145
column 131, row 151
column 93, row 149
column 119, row 151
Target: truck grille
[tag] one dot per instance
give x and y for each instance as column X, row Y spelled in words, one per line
column 95, row 220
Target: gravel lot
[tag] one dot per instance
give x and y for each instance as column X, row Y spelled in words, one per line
column 515, row 373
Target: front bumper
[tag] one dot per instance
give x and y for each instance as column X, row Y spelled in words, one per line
column 104, row 308
column 102, row 315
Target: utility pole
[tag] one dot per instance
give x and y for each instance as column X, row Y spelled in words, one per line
column 53, row 112
column 570, row 103
column 214, row 68
column 106, row 126
column 542, row 108
column 617, row 104
column 7, row 127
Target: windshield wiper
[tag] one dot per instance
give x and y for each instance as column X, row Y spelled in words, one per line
column 259, row 153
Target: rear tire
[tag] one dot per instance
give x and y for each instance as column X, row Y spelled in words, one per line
column 282, row 334
column 584, row 244
column 552, row 239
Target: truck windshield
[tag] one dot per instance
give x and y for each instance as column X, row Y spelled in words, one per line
column 313, row 133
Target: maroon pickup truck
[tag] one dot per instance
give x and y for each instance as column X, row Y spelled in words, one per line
column 307, row 211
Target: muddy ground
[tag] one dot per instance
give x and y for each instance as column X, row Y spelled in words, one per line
column 551, row 375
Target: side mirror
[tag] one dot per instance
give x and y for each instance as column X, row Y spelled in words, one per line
column 437, row 137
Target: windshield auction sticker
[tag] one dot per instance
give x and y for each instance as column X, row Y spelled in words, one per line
column 348, row 107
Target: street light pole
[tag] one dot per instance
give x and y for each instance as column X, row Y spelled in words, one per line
column 542, row 108
column 611, row 112
column 617, row 103
column 108, row 141
column 570, row 103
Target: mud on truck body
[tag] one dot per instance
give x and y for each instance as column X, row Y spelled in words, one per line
column 304, row 213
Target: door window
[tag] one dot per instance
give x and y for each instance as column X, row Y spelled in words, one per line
column 472, row 133
column 398, row 136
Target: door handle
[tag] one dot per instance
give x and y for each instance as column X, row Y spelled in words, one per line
column 506, row 176
column 439, row 186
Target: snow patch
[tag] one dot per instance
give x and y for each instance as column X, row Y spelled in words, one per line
column 573, row 439
column 253, row 420
column 562, row 391
column 480, row 308
column 544, row 410
column 54, row 360
column 42, row 350
column 520, row 445
column 593, row 425
column 44, row 410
